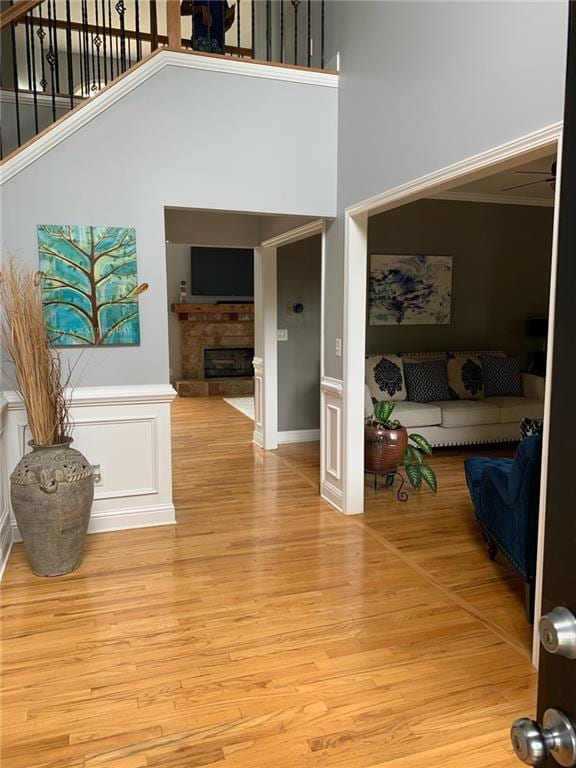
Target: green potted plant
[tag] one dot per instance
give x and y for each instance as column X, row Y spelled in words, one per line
column 388, row 445
column 52, row 487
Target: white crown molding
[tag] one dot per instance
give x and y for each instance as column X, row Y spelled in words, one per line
column 120, row 395
column 480, row 197
column 315, row 227
column 462, row 172
column 83, row 114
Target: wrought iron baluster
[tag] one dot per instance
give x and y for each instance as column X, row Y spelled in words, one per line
column 281, row 31
column 104, row 45
column 322, row 12
column 295, row 4
column 81, row 66
column 69, row 61
column 28, row 63
column 56, row 58
column 153, row 26
column 97, row 43
column 309, row 35
column 121, row 10
column 33, row 57
column 51, row 59
column 15, row 81
column 86, row 39
column 112, row 43
column 238, row 28
column 137, row 24
column 268, row 30
column 253, row 30
column 92, row 46
column 128, row 52
column 41, row 34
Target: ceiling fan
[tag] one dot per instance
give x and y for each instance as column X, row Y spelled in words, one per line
column 550, row 179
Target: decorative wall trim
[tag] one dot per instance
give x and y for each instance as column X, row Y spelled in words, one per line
column 298, row 436
column 127, row 431
column 505, row 156
column 478, row 197
column 84, row 113
column 258, row 436
column 331, row 441
column 298, row 233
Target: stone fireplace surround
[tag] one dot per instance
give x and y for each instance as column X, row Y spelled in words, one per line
column 212, row 326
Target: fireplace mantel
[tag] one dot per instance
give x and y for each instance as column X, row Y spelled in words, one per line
column 223, row 313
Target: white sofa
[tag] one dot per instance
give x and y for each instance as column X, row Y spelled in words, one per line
column 467, row 422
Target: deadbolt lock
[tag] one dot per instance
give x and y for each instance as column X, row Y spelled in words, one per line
column 556, row 738
column 558, row 632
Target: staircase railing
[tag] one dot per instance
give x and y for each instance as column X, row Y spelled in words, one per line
column 58, row 53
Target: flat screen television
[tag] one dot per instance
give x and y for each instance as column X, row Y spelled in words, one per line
column 222, row 272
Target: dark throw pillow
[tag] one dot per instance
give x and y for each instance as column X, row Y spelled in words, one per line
column 427, row 381
column 502, row 376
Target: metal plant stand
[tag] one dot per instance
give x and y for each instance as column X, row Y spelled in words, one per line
column 401, row 494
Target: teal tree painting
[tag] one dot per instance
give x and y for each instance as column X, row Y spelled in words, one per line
column 90, row 285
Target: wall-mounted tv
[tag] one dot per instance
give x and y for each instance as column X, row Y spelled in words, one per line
column 222, row 272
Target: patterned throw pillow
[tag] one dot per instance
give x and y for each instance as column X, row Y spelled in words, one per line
column 385, row 377
column 427, row 381
column 502, row 376
column 465, row 377
column 530, row 427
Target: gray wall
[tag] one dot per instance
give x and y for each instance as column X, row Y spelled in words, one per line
column 177, row 268
column 425, row 84
column 501, row 273
column 187, row 139
column 299, row 280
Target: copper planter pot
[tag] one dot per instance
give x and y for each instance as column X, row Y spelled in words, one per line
column 384, row 448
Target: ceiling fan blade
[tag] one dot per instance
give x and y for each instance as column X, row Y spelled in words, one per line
column 530, row 184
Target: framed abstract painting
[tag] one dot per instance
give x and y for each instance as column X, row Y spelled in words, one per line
column 90, row 285
column 410, row 290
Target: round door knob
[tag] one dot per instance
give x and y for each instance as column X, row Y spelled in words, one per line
column 556, row 737
column 529, row 742
column 558, row 632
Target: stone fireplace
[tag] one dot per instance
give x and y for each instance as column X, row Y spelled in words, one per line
column 217, row 346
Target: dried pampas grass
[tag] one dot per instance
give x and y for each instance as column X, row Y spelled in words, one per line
column 35, row 370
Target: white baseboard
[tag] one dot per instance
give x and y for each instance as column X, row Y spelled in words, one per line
column 6, row 540
column 258, row 438
column 299, row 436
column 332, row 495
column 124, row 519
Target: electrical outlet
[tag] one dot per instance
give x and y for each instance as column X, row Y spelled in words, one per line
column 97, row 474
column 282, row 334
column 338, row 347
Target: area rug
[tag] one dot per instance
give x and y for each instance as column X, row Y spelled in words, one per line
column 243, row 404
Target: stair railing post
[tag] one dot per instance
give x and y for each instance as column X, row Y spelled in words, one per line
column 173, row 24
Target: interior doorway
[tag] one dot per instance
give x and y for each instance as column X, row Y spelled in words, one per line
column 443, row 183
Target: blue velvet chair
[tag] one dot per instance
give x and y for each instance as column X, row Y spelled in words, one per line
column 506, row 495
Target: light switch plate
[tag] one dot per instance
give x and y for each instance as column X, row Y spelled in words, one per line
column 338, row 347
column 282, row 334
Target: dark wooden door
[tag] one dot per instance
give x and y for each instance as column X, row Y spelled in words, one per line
column 557, row 674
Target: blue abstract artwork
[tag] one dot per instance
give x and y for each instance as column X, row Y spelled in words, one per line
column 90, row 284
column 410, row 290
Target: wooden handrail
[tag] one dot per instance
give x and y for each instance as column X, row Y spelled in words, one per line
column 155, row 40
column 173, row 23
column 16, row 11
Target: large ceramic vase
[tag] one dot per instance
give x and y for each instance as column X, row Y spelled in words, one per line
column 52, row 489
column 385, row 448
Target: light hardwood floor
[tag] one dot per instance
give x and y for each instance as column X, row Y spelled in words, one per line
column 265, row 630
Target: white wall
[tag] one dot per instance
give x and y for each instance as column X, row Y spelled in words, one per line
column 426, row 84
column 172, row 142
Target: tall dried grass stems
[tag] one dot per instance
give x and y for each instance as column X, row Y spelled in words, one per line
column 35, row 372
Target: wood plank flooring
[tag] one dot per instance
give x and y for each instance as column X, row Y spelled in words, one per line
column 265, row 630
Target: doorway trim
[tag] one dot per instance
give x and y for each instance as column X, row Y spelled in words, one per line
column 536, row 144
column 266, row 329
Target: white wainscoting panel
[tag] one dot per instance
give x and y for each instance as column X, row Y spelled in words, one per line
column 126, row 430
column 298, row 436
column 258, row 436
column 331, row 435
column 5, row 526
